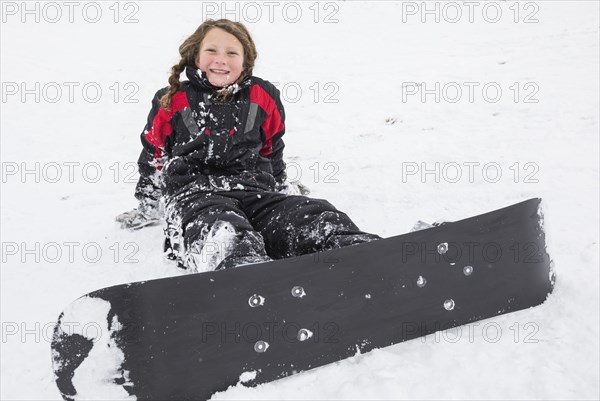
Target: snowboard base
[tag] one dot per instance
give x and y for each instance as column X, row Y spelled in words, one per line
column 188, row 337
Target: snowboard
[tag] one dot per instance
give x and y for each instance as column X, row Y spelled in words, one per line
column 189, row 336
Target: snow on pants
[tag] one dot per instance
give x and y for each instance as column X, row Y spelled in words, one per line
column 216, row 230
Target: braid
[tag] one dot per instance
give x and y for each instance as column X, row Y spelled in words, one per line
column 174, row 83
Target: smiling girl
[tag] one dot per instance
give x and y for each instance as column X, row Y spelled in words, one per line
column 213, row 148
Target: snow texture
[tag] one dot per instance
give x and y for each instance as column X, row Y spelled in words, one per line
column 94, row 378
column 247, row 376
column 219, row 243
column 69, row 167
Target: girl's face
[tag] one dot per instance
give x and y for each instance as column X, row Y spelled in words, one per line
column 221, row 57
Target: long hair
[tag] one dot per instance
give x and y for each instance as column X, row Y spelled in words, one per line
column 190, row 47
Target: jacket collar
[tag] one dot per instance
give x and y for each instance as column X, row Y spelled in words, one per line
column 200, row 80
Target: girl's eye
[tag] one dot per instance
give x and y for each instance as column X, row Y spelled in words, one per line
column 210, row 50
column 232, row 53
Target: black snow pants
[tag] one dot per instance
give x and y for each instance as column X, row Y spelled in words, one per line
column 217, row 230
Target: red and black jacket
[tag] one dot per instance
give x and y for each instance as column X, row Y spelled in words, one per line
column 203, row 144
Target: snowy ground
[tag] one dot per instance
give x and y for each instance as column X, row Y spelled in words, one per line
column 68, row 156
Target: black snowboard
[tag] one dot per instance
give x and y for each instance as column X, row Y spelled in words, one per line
column 190, row 336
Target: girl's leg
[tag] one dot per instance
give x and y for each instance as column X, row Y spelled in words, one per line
column 297, row 225
column 211, row 232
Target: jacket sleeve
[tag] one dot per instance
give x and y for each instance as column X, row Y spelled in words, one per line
column 273, row 130
column 277, row 156
column 149, row 186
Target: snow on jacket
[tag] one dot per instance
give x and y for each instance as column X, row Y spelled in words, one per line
column 202, row 144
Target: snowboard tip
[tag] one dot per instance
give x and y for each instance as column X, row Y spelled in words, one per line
column 86, row 358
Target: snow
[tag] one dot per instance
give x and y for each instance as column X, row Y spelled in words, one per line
column 358, row 134
column 219, row 242
column 247, row 376
column 93, row 378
